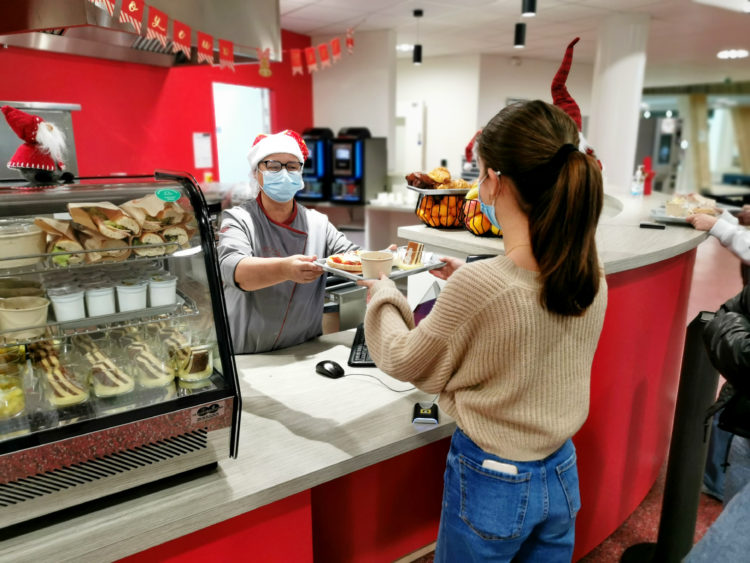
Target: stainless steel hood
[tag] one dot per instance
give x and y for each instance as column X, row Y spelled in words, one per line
column 78, row 27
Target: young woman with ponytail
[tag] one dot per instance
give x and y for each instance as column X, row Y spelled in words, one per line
column 509, row 343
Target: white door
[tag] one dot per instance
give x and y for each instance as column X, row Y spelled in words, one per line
column 410, row 117
column 241, row 113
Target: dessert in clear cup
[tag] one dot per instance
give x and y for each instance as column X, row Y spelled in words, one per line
column 162, row 290
column 100, row 298
column 12, row 369
column 131, row 294
column 67, row 302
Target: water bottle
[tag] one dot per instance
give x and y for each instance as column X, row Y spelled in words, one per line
column 636, row 186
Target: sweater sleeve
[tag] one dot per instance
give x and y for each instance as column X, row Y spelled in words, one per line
column 425, row 355
column 733, row 236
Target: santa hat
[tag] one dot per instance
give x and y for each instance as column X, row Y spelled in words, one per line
column 562, row 98
column 31, row 154
column 286, row 141
column 469, row 151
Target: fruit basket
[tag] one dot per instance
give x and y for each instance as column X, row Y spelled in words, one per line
column 441, row 208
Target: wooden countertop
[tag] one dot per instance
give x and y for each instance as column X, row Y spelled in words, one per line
column 622, row 244
column 298, row 430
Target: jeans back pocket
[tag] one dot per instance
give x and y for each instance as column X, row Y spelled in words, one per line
column 567, row 472
column 493, row 504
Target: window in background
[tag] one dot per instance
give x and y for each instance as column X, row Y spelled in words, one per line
column 240, row 113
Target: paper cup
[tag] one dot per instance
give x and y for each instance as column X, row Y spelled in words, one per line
column 376, row 263
column 23, row 312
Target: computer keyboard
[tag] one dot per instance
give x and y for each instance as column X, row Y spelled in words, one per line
column 359, row 356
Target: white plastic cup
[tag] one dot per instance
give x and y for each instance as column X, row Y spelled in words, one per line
column 376, row 263
column 131, row 294
column 100, row 300
column 162, row 290
column 67, row 302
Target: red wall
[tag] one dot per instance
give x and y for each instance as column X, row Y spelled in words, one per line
column 135, row 118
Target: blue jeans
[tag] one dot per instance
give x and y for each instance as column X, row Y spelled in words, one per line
column 491, row 515
column 727, row 538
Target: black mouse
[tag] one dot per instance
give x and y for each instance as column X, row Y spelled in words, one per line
column 330, row 369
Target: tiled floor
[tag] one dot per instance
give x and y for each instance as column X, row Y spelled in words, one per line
column 716, row 278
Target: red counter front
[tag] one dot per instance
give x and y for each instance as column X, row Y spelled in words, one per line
column 624, row 442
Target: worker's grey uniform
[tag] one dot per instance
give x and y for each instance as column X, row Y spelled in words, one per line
column 287, row 313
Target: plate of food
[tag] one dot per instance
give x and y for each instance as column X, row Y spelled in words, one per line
column 682, row 206
column 437, row 182
column 407, row 260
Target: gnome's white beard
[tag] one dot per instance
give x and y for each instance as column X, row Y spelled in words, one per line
column 51, row 139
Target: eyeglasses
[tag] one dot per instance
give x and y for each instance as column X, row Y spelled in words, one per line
column 276, row 166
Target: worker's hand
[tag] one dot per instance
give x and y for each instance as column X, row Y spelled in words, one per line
column 302, row 269
column 702, row 221
column 744, row 215
column 451, row 265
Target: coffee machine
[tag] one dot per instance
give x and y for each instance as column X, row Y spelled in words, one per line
column 359, row 166
column 317, row 170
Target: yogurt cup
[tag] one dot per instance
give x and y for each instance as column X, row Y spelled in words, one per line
column 67, row 302
column 131, row 294
column 162, row 290
column 100, row 299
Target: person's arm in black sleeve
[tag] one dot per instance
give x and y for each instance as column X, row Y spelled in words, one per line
column 727, row 339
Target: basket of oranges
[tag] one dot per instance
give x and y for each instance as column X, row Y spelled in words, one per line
column 441, row 199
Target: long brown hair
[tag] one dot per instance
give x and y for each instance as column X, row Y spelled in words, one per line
column 559, row 188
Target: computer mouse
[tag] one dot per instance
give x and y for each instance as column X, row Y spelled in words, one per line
column 329, row 368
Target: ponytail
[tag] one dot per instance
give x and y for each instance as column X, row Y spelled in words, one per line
column 563, row 227
column 561, row 191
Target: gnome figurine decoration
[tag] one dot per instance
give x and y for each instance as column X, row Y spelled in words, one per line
column 40, row 157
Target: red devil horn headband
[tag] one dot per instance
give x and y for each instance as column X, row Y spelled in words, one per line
column 560, row 95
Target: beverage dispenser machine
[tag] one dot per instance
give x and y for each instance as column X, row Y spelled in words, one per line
column 317, row 170
column 359, row 166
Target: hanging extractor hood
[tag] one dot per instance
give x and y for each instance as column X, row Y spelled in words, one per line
column 79, row 27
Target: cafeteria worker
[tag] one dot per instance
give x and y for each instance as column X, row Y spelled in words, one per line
column 267, row 248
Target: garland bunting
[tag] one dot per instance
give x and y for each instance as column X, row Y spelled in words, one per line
column 132, row 12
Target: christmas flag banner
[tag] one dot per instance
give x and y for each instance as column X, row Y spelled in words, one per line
column 108, row 5
column 350, row 40
column 205, row 48
column 264, row 56
column 180, row 38
column 295, row 56
column 312, row 63
column 325, row 60
column 132, row 12
column 336, row 49
column 226, row 54
column 157, row 25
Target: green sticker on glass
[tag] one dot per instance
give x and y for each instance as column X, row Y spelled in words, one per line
column 167, row 194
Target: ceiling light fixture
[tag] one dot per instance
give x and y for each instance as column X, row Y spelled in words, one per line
column 416, row 56
column 732, row 54
column 519, row 38
column 528, row 8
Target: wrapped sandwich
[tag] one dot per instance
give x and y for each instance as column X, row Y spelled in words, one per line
column 104, row 218
column 154, row 214
column 144, row 245
column 61, row 238
column 179, row 234
column 108, row 249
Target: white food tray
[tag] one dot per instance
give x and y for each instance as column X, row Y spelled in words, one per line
column 429, row 262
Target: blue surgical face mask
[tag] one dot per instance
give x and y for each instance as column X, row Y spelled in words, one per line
column 487, row 210
column 282, row 185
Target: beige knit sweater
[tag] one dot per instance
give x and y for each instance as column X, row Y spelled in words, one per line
column 513, row 375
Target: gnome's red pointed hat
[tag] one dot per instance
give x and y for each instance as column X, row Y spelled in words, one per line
column 562, row 98
column 43, row 142
column 286, row 141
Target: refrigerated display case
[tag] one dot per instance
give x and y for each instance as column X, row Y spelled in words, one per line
column 116, row 366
